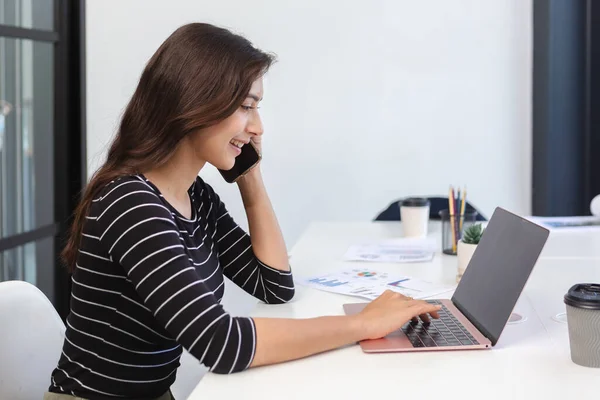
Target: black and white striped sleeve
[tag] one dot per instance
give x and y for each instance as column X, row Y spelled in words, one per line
column 241, row 265
column 139, row 233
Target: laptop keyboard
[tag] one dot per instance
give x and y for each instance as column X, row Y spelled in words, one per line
column 442, row 332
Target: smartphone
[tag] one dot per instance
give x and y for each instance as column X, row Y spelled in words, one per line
column 247, row 160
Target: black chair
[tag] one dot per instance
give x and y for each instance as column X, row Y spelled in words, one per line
column 437, row 204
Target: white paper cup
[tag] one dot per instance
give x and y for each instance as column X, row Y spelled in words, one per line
column 583, row 318
column 414, row 213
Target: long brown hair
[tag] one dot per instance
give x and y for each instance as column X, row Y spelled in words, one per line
column 199, row 76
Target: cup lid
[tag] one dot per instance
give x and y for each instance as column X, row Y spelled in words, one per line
column 584, row 295
column 415, row 202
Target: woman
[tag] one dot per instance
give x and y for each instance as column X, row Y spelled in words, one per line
column 151, row 241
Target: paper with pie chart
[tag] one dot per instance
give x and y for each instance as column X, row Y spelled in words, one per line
column 370, row 283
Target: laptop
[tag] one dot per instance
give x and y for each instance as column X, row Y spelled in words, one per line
column 485, row 297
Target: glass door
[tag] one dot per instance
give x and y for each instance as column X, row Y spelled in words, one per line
column 26, row 152
column 41, row 145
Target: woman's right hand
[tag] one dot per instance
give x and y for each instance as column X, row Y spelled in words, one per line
column 390, row 311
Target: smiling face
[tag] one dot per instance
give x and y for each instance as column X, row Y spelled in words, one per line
column 220, row 144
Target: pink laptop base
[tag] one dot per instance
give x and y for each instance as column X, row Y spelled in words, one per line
column 398, row 342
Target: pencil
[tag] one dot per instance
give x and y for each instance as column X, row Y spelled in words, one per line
column 456, row 195
column 462, row 208
column 457, row 208
column 451, row 210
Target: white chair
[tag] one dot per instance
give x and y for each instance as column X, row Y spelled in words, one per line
column 31, row 339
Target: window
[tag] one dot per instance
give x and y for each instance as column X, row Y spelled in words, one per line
column 566, row 106
column 42, row 146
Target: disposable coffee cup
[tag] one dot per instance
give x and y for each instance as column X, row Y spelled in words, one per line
column 414, row 213
column 583, row 319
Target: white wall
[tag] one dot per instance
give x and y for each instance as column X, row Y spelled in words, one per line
column 370, row 100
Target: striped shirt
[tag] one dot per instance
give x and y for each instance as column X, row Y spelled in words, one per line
column 148, row 281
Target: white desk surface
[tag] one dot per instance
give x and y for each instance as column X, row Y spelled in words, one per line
column 531, row 360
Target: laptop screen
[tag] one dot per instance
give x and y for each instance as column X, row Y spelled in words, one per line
column 498, row 271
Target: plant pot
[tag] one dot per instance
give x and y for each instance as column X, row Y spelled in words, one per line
column 464, row 252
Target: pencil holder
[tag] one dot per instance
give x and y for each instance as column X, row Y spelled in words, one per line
column 453, row 228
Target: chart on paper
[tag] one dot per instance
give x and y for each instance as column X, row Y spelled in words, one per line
column 570, row 223
column 354, row 282
column 370, row 283
column 392, row 251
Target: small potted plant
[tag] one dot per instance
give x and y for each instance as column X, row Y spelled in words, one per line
column 466, row 247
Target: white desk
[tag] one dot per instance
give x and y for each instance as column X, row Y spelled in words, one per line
column 531, row 360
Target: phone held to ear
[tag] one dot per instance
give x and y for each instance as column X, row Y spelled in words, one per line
column 247, row 160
